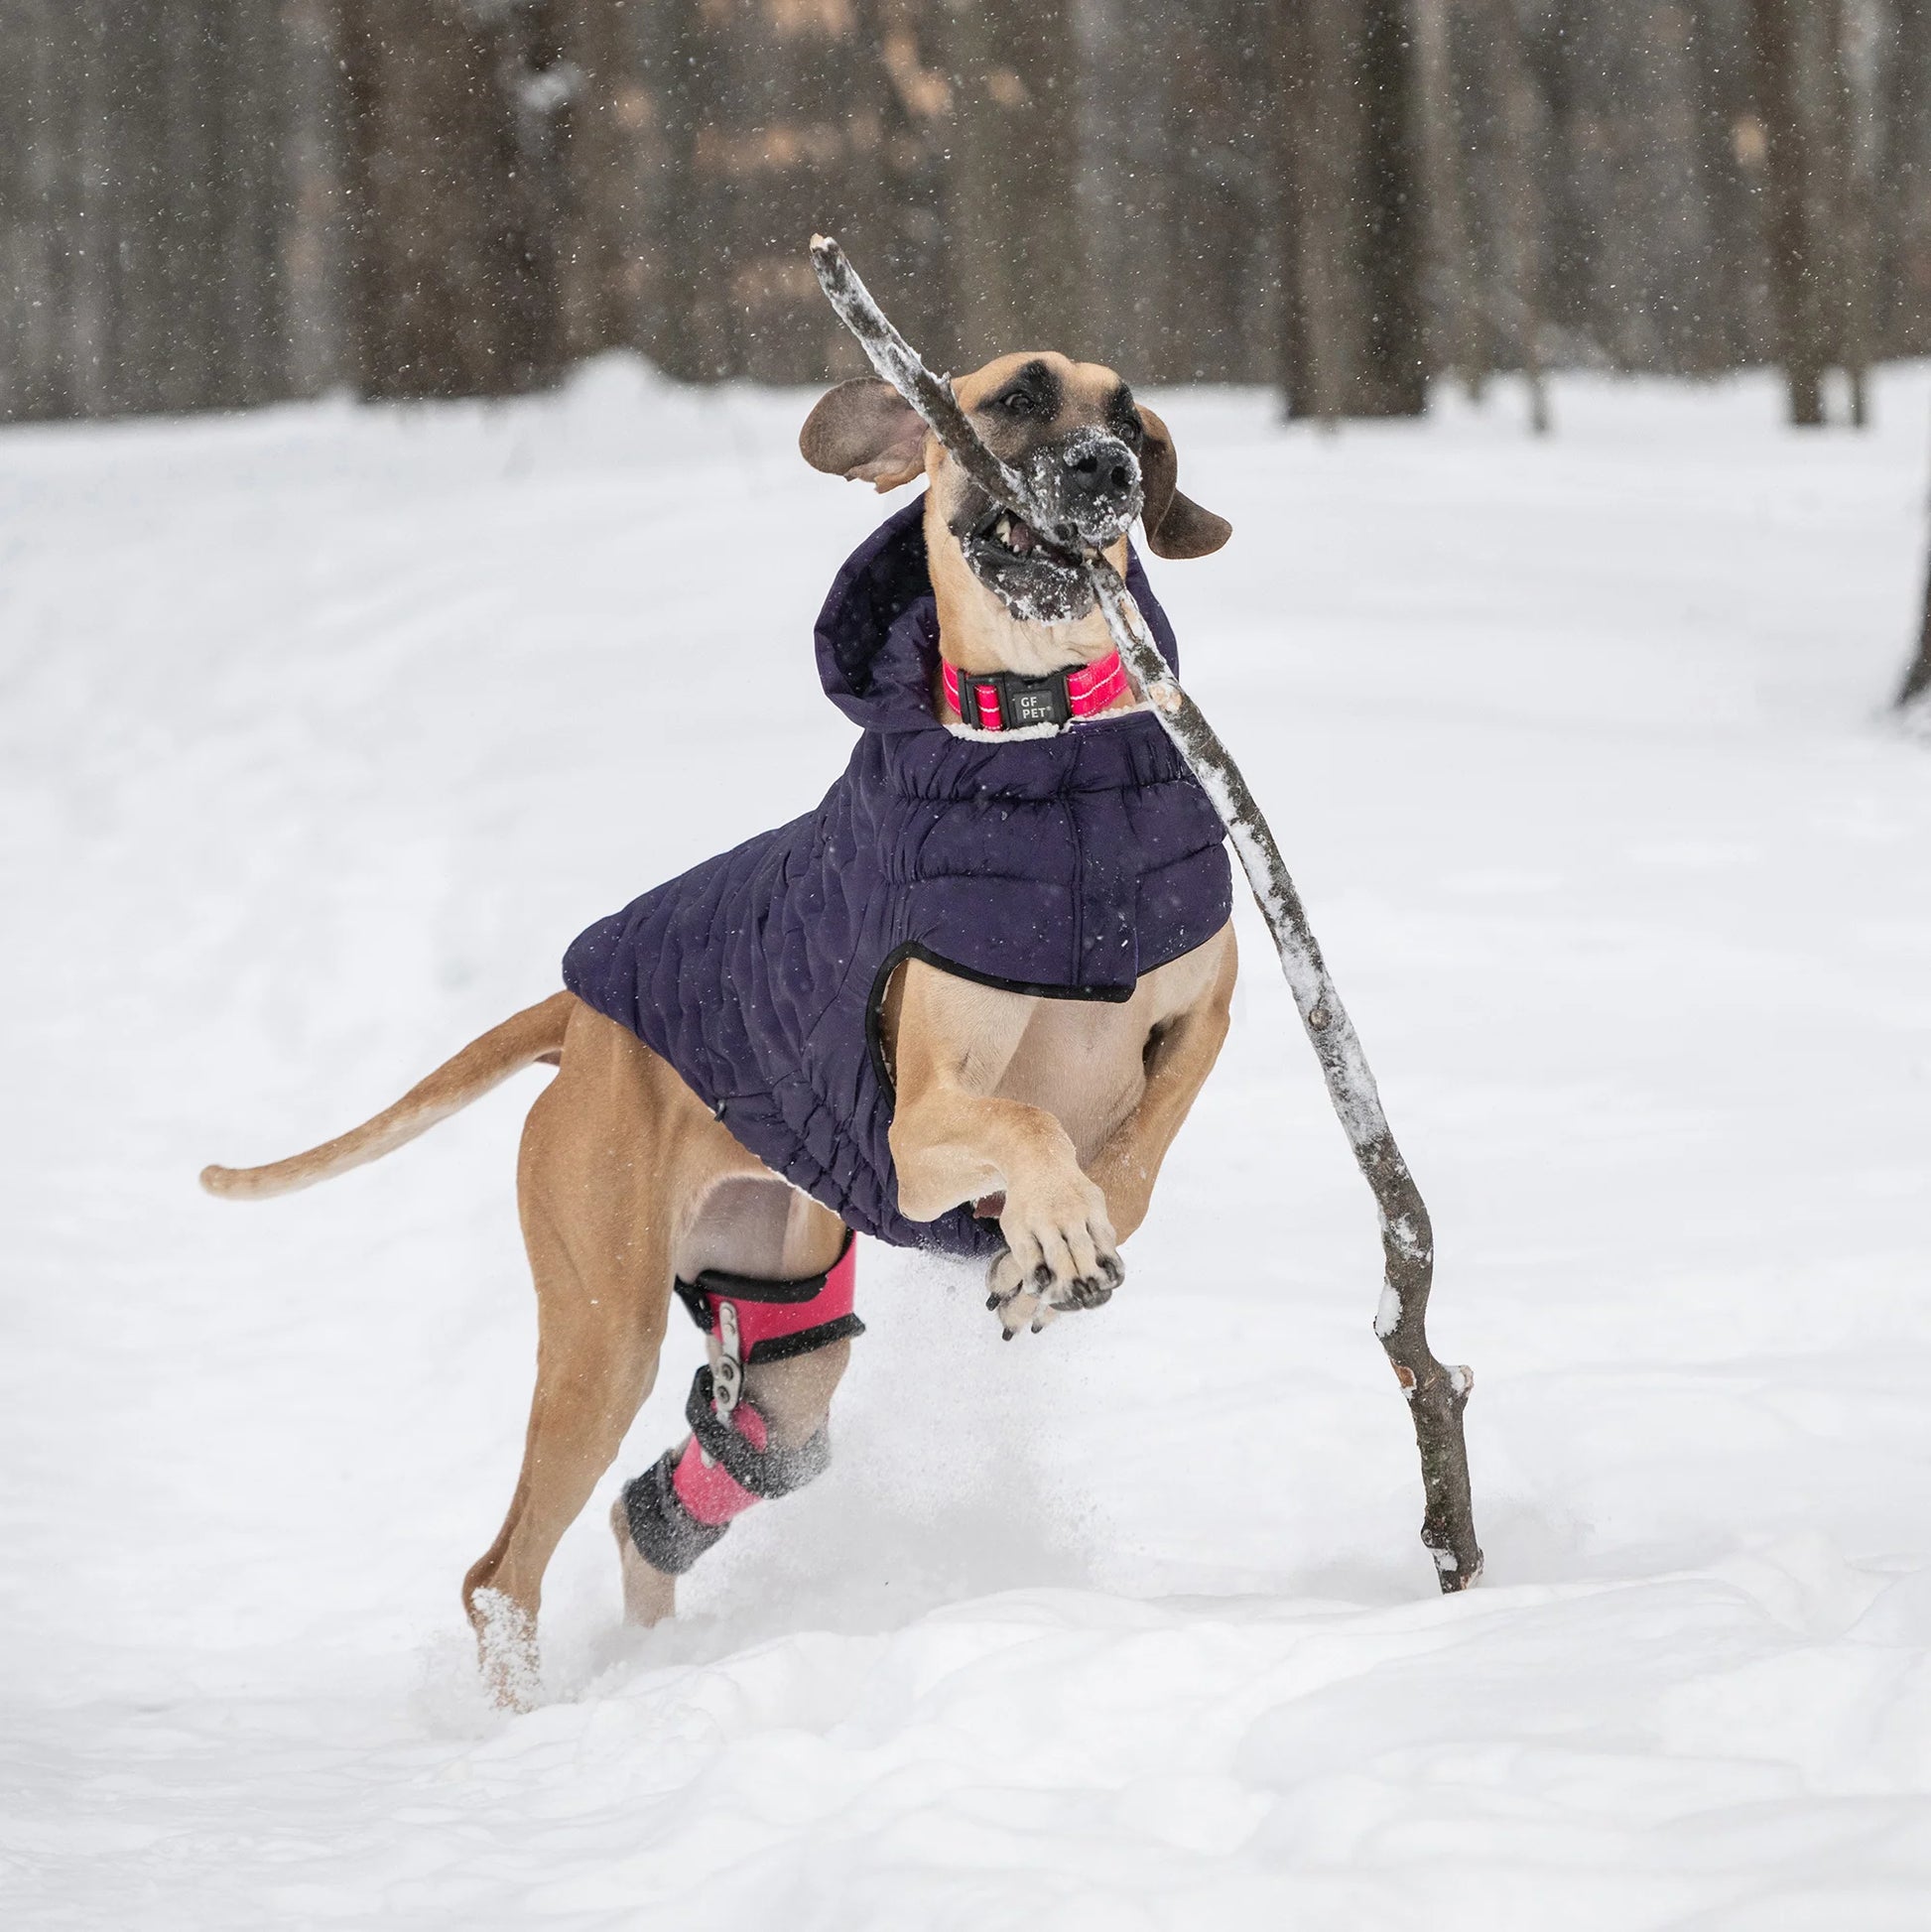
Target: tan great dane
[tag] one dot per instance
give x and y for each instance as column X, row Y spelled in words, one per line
column 1056, row 1112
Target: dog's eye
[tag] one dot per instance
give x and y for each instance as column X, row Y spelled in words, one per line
column 1018, row 402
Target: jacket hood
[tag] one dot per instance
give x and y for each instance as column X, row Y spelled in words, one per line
column 877, row 635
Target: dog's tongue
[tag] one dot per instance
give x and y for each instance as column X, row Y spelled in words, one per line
column 1022, row 538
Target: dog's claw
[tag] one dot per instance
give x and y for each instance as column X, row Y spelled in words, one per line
column 1035, row 1297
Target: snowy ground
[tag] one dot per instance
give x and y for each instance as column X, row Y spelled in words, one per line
column 321, row 733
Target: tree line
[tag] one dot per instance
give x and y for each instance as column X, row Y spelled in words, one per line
column 218, row 202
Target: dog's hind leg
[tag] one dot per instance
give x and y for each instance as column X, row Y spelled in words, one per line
column 594, row 1367
column 597, row 1185
column 596, row 1355
column 768, row 1272
column 624, row 1180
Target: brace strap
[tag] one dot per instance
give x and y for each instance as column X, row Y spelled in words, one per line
column 686, row 1500
column 670, row 1536
column 739, row 1445
column 775, row 1320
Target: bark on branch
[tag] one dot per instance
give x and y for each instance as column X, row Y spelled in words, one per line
column 1436, row 1395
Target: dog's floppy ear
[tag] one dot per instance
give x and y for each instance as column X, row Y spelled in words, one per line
column 1176, row 526
column 867, row 431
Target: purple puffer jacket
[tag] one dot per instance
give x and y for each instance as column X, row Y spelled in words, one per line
column 1064, row 865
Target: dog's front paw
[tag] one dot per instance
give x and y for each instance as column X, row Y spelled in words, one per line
column 1060, row 1254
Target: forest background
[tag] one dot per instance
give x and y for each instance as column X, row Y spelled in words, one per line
column 213, row 203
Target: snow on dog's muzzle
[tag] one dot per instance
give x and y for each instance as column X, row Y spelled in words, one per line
column 1091, row 480
column 1089, row 484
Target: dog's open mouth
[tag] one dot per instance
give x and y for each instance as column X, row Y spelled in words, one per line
column 1007, row 531
column 1037, row 580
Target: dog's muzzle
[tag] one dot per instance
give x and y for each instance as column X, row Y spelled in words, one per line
column 1090, row 481
column 1088, row 485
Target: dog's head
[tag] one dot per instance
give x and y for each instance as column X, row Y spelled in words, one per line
column 1075, row 433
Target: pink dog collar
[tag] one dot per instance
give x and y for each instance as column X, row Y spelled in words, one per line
column 1005, row 702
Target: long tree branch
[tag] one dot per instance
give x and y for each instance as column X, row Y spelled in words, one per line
column 1436, row 1395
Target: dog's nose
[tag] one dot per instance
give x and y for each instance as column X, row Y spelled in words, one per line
column 1107, row 468
column 1094, row 482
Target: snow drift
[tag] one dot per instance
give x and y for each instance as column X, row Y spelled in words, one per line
column 323, row 731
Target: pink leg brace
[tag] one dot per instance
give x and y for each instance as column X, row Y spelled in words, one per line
column 683, row 1505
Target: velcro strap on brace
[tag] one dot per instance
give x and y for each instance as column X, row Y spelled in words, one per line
column 739, row 1445
column 668, row 1535
column 777, row 1320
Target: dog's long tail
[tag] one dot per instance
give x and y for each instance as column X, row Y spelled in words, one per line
column 536, row 1033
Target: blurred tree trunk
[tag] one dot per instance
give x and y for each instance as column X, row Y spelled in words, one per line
column 1014, row 242
column 22, row 269
column 915, row 103
column 250, row 201
column 1905, row 177
column 1129, row 211
column 1394, row 377
column 679, row 66
column 856, row 195
column 202, row 215
column 1178, row 189
column 456, row 127
column 310, row 241
column 1206, row 192
column 1917, row 680
column 597, row 191
column 1522, row 211
column 1916, row 689
column 1852, row 88
column 1453, row 277
column 1351, row 245
column 1725, row 335
column 164, row 341
column 1777, row 51
column 86, row 239
column 1142, row 235
column 1320, row 157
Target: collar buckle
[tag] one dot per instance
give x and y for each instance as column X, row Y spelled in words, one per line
column 1027, row 702
column 1017, row 703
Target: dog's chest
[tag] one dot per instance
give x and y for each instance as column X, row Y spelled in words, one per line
column 1083, row 1061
